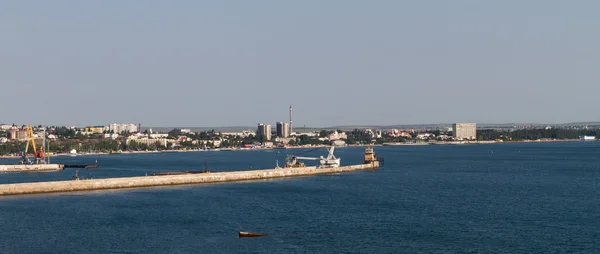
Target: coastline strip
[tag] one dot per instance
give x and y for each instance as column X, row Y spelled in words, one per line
column 151, row 181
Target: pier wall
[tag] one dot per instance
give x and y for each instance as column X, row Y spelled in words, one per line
column 148, row 181
column 31, row 167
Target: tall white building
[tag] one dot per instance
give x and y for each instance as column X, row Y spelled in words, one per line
column 283, row 130
column 464, row 130
column 121, row 127
column 263, row 131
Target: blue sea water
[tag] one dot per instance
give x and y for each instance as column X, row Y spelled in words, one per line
column 502, row 198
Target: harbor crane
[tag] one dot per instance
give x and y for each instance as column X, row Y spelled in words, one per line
column 324, row 162
column 38, row 153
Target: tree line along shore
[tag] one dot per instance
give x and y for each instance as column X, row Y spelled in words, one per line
column 68, row 140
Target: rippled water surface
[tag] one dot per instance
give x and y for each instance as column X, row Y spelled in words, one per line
column 504, row 198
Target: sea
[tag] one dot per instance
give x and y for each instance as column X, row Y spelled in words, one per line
column 494, row 198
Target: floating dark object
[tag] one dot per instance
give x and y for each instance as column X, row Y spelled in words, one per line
column 81, row 166
column 251, row 234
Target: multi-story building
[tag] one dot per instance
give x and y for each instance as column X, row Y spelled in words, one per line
column 18, row 134
column 5, row 127
column 263, row 131
column 464, row 130
column 94, row 129
column 283, row 130
column 150, row 141
column 122, row 127
column 337, row 136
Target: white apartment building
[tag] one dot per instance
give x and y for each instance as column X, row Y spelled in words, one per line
column 464, row 131
column 121, row 127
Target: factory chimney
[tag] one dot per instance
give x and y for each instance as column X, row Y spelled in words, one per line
column 291, row 120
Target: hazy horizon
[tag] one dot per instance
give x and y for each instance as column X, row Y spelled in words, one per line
column 339, row 63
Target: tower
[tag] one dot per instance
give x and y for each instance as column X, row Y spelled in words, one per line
column 291, row 120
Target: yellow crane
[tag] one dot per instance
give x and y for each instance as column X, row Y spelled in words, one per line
column 38, row 153
column 31, row 138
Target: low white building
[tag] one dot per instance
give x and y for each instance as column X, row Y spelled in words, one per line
column 137, row 135
column 216, row 142
column 444, row 137
column 158, row 135
column 242, row 134
column 338, row 143
column 3, row 140
column 150, row 141
column 337, row 135
column 107, row 135
column 425, row 136
column 588, row 138
column 310, row 134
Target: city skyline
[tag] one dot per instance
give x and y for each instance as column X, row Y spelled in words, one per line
column 337, row 62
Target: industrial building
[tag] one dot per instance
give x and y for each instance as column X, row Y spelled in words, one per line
column 263, row 131
column 464, row 131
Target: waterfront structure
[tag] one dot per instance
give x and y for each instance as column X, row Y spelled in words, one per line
column 330, row 165
column 122, row 127
column 464, row 130
column 283, row 130
column 263, row 131
column 588, row 138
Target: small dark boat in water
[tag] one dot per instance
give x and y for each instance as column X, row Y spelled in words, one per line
column 251, row 234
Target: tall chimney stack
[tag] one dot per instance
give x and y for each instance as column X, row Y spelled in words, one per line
column 290, row 119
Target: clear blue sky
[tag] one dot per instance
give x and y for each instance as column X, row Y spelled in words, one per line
column 224, row 63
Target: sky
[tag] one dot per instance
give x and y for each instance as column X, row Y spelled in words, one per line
column 337, row 62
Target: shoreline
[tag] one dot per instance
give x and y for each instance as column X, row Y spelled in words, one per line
column 309, row 147
column 181, row 151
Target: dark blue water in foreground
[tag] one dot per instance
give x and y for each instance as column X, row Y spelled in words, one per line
column 505, row 198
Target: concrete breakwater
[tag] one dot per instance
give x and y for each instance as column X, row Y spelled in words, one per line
column 150, row 181
column 31, row 167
